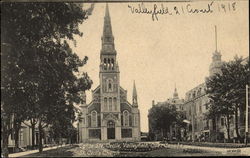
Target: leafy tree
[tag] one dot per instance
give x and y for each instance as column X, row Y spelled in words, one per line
column 38, row 67
column 180, row 117
column 161, row 117
column 62, row 128
column 227, row 92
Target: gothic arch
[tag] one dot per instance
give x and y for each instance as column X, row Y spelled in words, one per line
column 112, row 64
column 93, row 118
column 105, row 64
column 110, row 85
column 125, row 118
column 111, row 124
column 109, row 63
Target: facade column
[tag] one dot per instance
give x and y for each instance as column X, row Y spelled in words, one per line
column 118, row 133
column 103, row 133
column 85, row 134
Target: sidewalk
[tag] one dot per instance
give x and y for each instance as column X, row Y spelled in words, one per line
column 33, row 151
column 239, row 151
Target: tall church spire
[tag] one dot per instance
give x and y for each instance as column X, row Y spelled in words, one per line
column 107, row 30
column 134, row 96
column 108, row 52
column 107, row 37
column 107, row 11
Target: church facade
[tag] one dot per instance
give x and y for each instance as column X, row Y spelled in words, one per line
column 109, row 116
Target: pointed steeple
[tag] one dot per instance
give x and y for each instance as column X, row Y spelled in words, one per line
column 107, row 30
column 134, row 95
column 108, row 52
column 107, row 37
column 175, row 96
column 107, row 11
column 134, row 90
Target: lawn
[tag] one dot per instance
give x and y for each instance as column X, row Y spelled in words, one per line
column 98, row 150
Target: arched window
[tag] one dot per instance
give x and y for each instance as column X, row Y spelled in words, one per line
column 125, row 118
column 109, row 64
column 93, row 119
column 105, row 64
column 112, row 63
column 111, row 124
column 194, row 94
column 115, row 104
column 109, row 85
column 105, row 104
column 110, row 104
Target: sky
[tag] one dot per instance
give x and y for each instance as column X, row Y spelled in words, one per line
column 175, row 49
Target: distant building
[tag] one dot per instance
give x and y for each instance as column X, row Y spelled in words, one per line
column 197, row 105
column 174, row 102
column 25, row 137
column 109, row 116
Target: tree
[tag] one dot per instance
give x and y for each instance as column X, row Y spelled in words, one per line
column 227, row 92
column 161, row 117
column 63, row 128
column 180, row 117
column 38, row 67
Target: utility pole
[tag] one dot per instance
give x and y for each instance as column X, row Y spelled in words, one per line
column 246, row 129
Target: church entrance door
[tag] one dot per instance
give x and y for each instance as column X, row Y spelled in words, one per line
column 111, row 130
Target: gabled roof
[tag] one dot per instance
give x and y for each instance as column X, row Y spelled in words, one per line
column 96, row 90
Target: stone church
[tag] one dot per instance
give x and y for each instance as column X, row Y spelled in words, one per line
column 109, row 116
